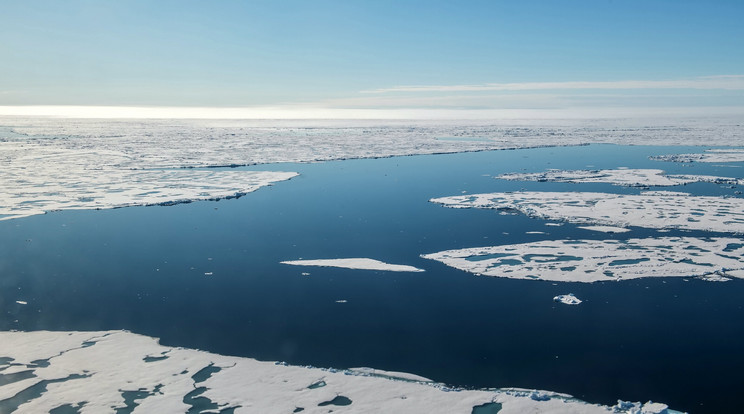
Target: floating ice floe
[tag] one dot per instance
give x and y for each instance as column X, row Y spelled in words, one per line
column 354, row 263
column 605, row 229
column 711, row 155
column 94, row 372
column 568, row 299
column 55, row 184
column 654, row 209
column 602, row 260
column 623, row 176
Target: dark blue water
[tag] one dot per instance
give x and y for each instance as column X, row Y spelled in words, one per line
column 143, row 269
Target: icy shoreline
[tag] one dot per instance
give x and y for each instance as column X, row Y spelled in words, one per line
column 103, row 371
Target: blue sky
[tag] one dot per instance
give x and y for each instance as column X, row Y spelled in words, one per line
column 470, row 55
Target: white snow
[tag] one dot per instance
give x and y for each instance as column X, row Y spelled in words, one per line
column 354, row 263
column 93, row 369
column 605, row 229
column 658, row 209
column 711, row 155
column 622, row 176
column 568, row 299
column 602, row 260
column 49, row 164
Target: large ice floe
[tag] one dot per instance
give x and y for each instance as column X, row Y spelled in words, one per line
column 711, row 155
column 653, row 209
column 354, row 263
column 603, row 260
column 638, row 177
column 96, row 372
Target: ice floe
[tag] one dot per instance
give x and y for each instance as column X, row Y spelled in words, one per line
column 657, row 209
column 49, row 163
column 602, row 260
column 622, row 176
column 605, row 229
column 711, row 155
column 568, row 299
column 354, row 263
column 31, row 186
column 98, row 372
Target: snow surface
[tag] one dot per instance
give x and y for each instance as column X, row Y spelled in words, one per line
column 95, row 370
column 657, row 209
column 51, row 163
column 605, row 229
column 622, row 176
column 602, row 260
column 711, row 155
column 568, row 299
column 354, row 263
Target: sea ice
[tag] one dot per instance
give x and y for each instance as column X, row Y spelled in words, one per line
column 605, row 229
column 654, row 209
column 95, row 371
column 602, row 260
column 622, row 176
column 568, row 299
column 354, row 263
column 711, row 155
column 51, row 163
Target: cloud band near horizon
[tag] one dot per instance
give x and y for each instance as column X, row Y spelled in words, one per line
column 719, row 82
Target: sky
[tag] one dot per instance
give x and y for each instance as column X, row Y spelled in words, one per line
column 322, row 56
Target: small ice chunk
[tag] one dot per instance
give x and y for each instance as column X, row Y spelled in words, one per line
column 568, row 299
column 714, row 277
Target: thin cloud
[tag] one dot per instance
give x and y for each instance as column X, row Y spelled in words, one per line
column 726, row 82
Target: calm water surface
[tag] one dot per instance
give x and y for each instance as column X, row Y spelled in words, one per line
column 146, row 269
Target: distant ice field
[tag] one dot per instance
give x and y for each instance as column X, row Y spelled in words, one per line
column 208, row 275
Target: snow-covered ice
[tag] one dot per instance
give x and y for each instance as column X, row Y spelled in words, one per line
column 49, row 163
column 605, row 229
column 622, row 176
column 95, row 371
column 657, row 209
column 354, row 263
column 602, row 260
column 710, row 155
column 38, row 183
column 568, row 299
